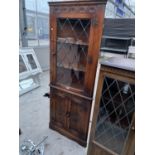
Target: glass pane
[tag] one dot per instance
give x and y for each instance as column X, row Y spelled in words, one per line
column 43, row 30
column 39, row 5
column 24, row 84
column 72, row 49
column 31, row 28
column 117, row 105
column 22, row 67
column 37, row 20
column 33, row 42
column 30, row 4
column 31, row 61
column 42, row 6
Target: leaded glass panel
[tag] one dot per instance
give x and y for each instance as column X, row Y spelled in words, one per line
column 22, row 66
column 72, row 50
column 117, row 105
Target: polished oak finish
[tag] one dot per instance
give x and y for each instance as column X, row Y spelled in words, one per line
column 75, row 37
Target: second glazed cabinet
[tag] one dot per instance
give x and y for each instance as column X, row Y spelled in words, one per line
column 113, row 123
column 75, row 37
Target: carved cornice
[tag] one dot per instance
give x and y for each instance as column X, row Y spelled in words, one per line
column 77, row 2
column 75, row 9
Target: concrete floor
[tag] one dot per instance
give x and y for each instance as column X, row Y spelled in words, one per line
column 34, row 122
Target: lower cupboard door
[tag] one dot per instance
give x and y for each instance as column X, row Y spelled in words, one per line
column 78, row 119
column 59, row 110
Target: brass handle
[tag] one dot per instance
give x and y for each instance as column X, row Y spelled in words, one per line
column 133, row 128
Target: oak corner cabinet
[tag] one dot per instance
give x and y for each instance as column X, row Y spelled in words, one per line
column 75, row 37
column 113, row 125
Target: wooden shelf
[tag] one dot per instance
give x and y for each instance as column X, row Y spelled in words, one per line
column 81, row 69
column 114, row 49
column 115, row 37
column 71, row 41
column 70, row 91
column 115, row 44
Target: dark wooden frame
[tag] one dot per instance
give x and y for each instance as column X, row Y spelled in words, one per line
column 83, row 9
column 95, row 148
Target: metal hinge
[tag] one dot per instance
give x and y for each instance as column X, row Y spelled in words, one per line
column 94, row 21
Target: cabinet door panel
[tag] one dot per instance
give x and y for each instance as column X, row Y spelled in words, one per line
column 59, row 109
column 72, row 51
column 79, row 117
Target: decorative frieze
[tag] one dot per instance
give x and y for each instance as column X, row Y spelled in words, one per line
column 78, row 9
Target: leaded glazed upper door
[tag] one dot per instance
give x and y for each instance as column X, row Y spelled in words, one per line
column 72, row 52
